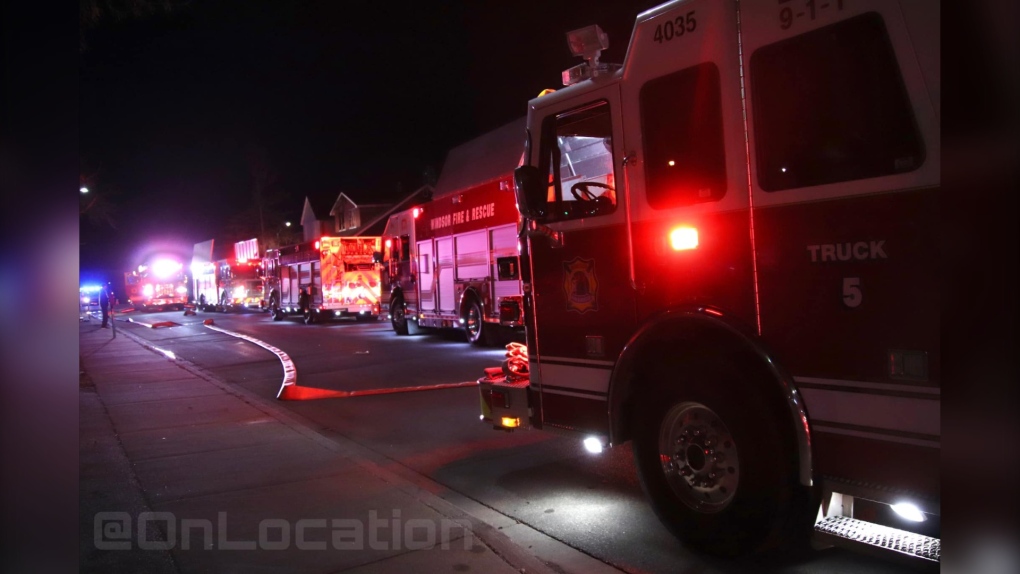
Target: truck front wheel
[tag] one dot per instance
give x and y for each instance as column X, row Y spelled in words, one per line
column 398, row 316
column 714, row 464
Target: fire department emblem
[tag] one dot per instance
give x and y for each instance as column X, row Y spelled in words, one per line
column 580, row 285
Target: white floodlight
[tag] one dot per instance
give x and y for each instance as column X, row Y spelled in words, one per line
column 908, row 511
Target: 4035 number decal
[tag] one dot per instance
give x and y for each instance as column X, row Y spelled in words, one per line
column 675, row 28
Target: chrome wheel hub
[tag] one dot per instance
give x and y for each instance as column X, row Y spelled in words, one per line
column 699, row 457
column 472, row 322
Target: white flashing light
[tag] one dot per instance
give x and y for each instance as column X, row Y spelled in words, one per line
column 908, row 511
column 83, row 189
column 166, row 267
column 593, row 445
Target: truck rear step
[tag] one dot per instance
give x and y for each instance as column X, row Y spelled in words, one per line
column 882, row 541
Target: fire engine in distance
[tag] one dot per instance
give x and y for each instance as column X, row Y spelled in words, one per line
column 330, row 277
column 160, row 285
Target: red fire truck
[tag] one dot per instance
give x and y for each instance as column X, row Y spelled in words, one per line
column 240, row 280
column 731, row 261
column 339, row 274
column 452, row 263
column 160, row 285
column 228, row 282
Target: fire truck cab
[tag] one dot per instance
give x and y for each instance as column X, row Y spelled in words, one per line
column 160, row 285
column 730, row 259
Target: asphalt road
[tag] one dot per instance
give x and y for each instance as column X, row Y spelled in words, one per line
column 593, row 503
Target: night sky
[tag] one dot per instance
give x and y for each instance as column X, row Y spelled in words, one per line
column 354, row 97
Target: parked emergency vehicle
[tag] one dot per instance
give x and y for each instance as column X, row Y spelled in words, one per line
column 731, row 259
column 240, row 278
column 340, row 274
column 230, row 280
column 160, row 285
column 452, row 262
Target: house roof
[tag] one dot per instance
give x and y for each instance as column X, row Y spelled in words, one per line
column 343, row 196
column 317, row 208
column 482, row 159
column 419, row 195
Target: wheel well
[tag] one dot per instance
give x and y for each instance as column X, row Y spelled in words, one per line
column 471, row 294
column 688, row 339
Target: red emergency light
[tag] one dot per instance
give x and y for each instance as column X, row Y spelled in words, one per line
column 389, row 243
column 416, row 212
column 683, row 237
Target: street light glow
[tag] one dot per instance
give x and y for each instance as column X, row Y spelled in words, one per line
column 83, row 189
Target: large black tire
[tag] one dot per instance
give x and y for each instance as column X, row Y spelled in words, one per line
column 716, row 457
column 476, row 330
column 398, row 315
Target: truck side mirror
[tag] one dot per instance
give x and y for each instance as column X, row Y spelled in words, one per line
column 530, row 189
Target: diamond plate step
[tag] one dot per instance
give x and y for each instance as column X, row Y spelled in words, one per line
column 881, row 540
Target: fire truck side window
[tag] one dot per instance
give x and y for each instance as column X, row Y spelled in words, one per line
column 681, row 119
column 830, row 106
column 405, row 247
column 582, row 182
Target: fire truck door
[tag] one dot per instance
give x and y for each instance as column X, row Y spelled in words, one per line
column 583, row 304
column 445, row 270
column 427, row 295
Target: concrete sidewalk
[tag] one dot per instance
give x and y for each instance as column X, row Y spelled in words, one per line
column 182, row 472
